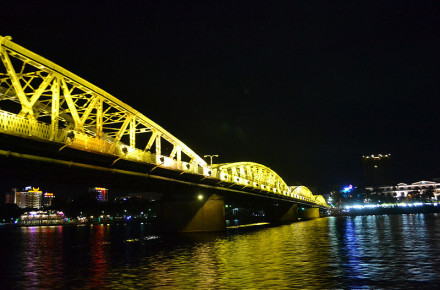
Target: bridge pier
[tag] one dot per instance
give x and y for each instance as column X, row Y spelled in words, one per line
column 201, row 214
column 283, row 213
column 309, row 213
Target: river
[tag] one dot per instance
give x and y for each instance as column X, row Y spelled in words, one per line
column 364, row 252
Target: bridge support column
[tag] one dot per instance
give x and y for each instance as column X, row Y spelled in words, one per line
column 309, row 213
column 286, row 213
column 198, row 215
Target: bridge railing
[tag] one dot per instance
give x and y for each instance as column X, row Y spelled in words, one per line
column 51, row 97
column 83, row 141
column 16, row 125
column 19, row 126
column 23, row 127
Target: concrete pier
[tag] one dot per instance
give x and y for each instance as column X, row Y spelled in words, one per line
column 282, row 213
column 206, row 214
column 309, row 213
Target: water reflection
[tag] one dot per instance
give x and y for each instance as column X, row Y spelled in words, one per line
column 399, row 251
column 386, row 251
column 41, row 266
column 98, row 256
column 282, row 257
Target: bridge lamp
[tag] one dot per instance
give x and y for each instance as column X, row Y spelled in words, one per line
column 210, row 156
column 71, row 135
column 168, row 161
column 200, row 197
column 207, row 171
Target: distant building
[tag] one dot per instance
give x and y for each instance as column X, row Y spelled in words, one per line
column 10, row 197
column 47, row 199
column 403, row 189
column 99, row 193
column 377, row 170
column 29, row 197
column 146, row 196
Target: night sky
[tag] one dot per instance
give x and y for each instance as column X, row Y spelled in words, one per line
column 303, row 87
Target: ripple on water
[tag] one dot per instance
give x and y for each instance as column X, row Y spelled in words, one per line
column 400, row 251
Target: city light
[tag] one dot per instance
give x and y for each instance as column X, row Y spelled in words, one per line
column 387, row 205
column 347, row 189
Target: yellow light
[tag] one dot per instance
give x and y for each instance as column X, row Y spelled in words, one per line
column 35, row 189
column 186, row 166
column 168, row 161
column 200, row 197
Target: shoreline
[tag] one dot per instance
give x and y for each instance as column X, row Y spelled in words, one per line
column 387, row 210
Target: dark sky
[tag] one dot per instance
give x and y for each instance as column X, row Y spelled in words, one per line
column 303, row 87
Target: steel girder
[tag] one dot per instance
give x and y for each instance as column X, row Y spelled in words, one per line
column 40, row 99
column 43, row 101
column 257, row 176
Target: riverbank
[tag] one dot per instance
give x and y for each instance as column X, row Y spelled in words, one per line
column 386, row 210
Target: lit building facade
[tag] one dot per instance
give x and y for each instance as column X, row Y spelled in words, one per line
column 99, row 193
column 47, row 199
column 10, row 198
column 29, row 197
column 403, row 189
column 377, row 170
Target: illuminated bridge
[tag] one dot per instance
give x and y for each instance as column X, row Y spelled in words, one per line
column 43, row 102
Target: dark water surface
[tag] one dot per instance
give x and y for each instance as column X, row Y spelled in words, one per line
column 371, row 252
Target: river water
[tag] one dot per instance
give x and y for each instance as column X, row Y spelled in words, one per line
column 364, row 252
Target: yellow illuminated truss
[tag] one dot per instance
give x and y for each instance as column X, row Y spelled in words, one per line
column 39, row 99
column 43, row 101
column 257, row 176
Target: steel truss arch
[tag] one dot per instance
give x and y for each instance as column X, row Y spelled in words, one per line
column 261, row 177
column 253, row 175
column 42, row 100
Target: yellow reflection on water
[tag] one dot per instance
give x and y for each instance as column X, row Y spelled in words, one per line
column 391, row 252
column 291, row 256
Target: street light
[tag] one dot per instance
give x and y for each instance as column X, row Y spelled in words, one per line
column 210, row 156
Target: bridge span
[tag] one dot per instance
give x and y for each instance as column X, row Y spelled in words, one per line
column 43, row 103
